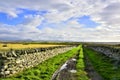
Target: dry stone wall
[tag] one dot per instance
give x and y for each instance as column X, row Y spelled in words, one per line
column 108, row 51
column 14, row 61
column 113, row 53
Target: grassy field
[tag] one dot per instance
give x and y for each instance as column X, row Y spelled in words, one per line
column 103, row 65
column 23, row 46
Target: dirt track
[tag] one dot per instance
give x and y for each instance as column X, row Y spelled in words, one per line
column 67, row 71
column 91, row 71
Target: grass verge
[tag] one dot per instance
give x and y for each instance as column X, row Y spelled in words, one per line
column 81, row 74
column 103, row 65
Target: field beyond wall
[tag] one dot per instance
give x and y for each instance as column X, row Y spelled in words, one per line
column 8, row 46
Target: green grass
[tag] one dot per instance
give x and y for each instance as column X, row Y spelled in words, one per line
column 103, row 65
column 81, row 74
column 44, row 70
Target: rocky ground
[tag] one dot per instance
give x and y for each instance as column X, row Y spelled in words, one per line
column 67, row 71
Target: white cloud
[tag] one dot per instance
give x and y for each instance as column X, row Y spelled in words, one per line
column 105, row 12
column 110, row 14
column 27, row 29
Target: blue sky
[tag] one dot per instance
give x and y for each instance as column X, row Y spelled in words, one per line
column 60, row 20
column 87, row 22
column 4, row 18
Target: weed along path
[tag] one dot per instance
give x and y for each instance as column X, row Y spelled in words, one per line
column 72, row 69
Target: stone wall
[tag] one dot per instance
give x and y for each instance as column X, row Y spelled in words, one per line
column 108, row 51
column 14, row 61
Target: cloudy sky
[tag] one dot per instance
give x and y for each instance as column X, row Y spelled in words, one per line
column 64, row 20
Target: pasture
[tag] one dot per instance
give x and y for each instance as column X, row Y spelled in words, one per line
column 8, row 46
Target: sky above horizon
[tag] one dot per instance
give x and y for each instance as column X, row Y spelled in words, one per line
column 63, row 20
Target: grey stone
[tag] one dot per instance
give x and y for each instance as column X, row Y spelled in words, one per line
column 2, row 73
column 7, row 72
column 5, row 66
column 12, row 72
column 18, row 61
